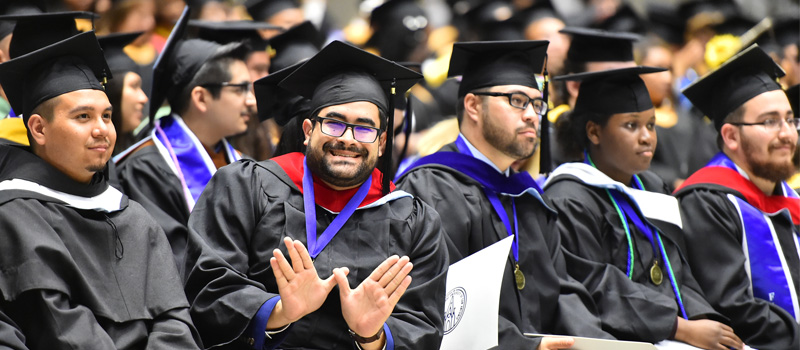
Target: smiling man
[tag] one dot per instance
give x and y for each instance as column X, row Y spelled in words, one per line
column 350, row 282
column 741, row 218
column 83, row 267
column 471, row 185
column 210, row 95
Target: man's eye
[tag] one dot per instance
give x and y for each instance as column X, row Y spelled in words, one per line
column 771, row 122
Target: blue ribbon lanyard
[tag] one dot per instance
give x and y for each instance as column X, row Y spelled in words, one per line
column 625, row 210
column 316, row 246
column 498, row 206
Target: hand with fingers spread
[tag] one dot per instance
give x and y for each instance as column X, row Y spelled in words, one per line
column 302, row 291
column 707, row 334
column 555, row 343
column 366, row 308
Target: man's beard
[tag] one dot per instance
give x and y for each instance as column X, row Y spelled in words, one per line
column 772, row 171
column 315, row 159
column 507, row 144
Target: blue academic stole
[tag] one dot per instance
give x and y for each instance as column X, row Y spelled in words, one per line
column 493, row 183
column 186, row 156
column 765, row 264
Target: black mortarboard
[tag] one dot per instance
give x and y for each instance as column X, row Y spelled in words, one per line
column 494, row 20
column 113, row 45
column 294, row 45
column 263, row 10
column 161, row 76
column 34, row 31
column 744, row 76
column 341, row 73
column 224, row 32
column 180, row 60
column 787, row 30
column 396, row 26
column 594, row 45
column 793, row 93
column 665, row 23
column 490, row 63
column 625, row 19
column 277, row 103
column 16, row 7
column 76, row 63
column 612, row 91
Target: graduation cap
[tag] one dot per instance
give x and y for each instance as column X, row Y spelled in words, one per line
column 180, row 60
column 37, row 30
column 744, row 76
column 612, row 91
column 665, row 23
column 595, row 45
column 263, row 10
column 793, row 93
column 76, row 63
column 278, row 103
column 625, row 19
column 490, row 63
column 341, row 73
column 540, row 10
column 118, row 61
column 786, row 31
column 294, row 45
column 494, row 20
column 396, row 26
column 224, row 32
column 18, row 7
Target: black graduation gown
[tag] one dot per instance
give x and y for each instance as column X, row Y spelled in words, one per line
column 596, row 251
column 147, row 178
column 714, row 237
column 83, row 278
column 551, row 302
column 243, row 215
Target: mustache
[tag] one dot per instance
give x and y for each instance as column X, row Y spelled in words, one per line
column 105, row 143
column 336, row 146
column 528, row 126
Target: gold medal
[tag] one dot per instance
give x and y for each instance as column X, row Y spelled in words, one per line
column 519, row 277
column 655, row 274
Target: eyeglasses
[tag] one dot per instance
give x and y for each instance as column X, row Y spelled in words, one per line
column 774, row 124
column 519, row 100
column 337, row 128
column 240, row 89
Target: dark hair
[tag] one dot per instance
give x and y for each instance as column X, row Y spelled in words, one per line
column 216, row 70
column 114, row 92
column 292, row 138
column 45, row 109
column 733, row 117
column 571, row 132
column 460, row 104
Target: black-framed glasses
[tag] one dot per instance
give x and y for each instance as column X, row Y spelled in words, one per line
column 774, row 124
column 519, row 100
column 240, row 88
column 337, row 128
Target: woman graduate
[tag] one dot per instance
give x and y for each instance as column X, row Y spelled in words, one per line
column 621, row 233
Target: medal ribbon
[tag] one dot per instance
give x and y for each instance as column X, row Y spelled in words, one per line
column 497, row 205
column 624, row 209
column 316, row 246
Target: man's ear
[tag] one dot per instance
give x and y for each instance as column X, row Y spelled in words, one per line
column 37, row 128
column 593, row 132
column 573, row 87
column 308, row 127
column 199, row 98
column 382, row 145
column 731, row 136
column 473, row 105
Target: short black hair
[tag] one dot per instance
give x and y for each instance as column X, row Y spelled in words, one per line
column 216, row 70
column 571, row 132
column 733, row 117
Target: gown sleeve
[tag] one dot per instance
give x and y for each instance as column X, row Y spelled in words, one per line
column 147, row 179
column 719, row 268
column 627, row 309
column 223, row 299
column 11, row 337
